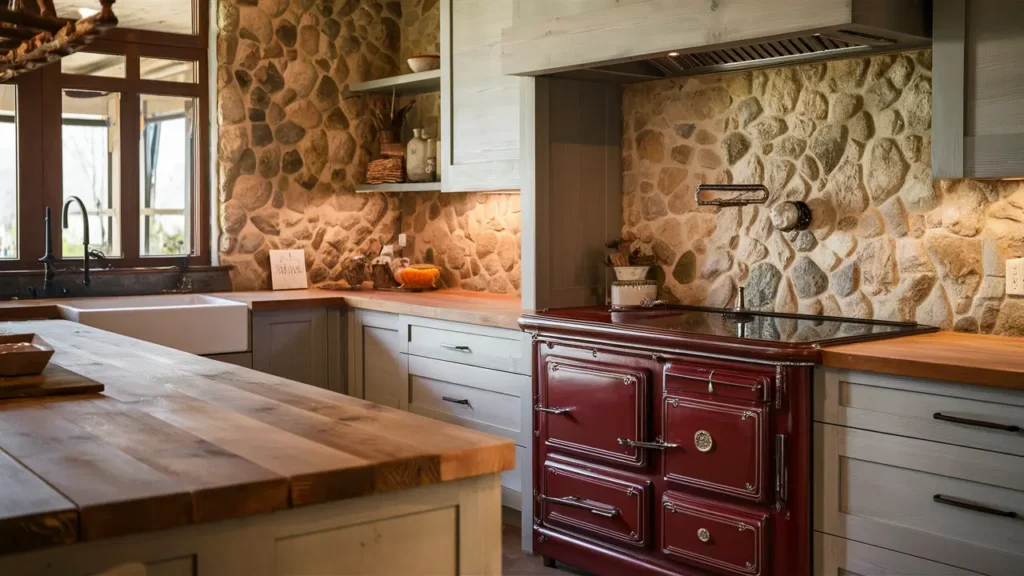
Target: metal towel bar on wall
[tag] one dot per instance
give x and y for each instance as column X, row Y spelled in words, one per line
column 744, row 194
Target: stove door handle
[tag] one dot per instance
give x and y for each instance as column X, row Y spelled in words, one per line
column 540, row 408
column 577, row 502
column 658, row 444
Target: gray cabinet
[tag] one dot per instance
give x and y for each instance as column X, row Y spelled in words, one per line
column 978, row 89
column 296, row 344
column 479, row 106
column 376, row 366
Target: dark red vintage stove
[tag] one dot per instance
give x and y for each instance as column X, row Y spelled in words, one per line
column 676, row 440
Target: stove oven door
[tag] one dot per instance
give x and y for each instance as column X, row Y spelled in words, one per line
column 717, row 446
column 591, row 501
column 723, row 538
column 592, row 409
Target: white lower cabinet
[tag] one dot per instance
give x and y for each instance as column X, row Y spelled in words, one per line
column 898, row 468
column 840, row 557
column 376, row 365
column 472, row 376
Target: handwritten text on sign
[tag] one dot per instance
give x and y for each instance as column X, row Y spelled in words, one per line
column 288, row 269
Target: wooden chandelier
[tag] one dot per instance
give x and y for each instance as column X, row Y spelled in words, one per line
column 29, row 40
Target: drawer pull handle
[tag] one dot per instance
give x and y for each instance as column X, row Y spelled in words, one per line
column 460, row 401
column 454, row 348
column 703, row 441
column 576, row 502
column 711, row 382
column 978, row 423
column 540, row 408
column 948, row 501
column 658, row 444
column 703, row 535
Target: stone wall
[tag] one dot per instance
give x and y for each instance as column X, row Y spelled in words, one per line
column 473, row 238
column 853, row 139
column 291, row 148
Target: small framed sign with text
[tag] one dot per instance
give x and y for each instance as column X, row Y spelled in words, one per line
column 288, row 269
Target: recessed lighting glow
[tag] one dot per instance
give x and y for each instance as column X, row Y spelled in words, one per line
column 86, row 12
column 673, row 54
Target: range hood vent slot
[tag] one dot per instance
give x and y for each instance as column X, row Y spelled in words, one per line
column 782, row 51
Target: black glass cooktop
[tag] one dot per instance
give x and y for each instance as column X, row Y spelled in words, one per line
column 753, row 325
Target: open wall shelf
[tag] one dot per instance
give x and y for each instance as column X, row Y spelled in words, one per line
column 402, row 187
column 404, row 85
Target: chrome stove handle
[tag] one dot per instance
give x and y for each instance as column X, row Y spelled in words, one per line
column 540, row 408
column 576, row 502
column 658, row 444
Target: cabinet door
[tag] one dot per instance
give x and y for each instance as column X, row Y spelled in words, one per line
column 479, row 105
column 292, row 344
column 978, row 94
column 376, row 363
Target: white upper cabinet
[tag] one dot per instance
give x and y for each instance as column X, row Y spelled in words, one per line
column 978, row 89
column 479, row 105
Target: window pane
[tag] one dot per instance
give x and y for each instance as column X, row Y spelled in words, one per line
column 92, row 159
column 90, row 64
column 167, row 171
column 8, row 173
column 169, row 70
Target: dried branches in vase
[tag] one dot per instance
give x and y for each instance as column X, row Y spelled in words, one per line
column 32, row 38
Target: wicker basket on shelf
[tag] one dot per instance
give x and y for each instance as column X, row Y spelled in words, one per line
column 385, row 171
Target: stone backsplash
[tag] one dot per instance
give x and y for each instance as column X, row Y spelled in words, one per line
column 852, row 138
column 473, row 238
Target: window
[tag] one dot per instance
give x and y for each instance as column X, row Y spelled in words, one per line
column 168, row 146
column 121, row 126
column 8, row 173
column 91, row 152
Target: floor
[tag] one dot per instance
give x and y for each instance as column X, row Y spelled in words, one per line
column 515, row 562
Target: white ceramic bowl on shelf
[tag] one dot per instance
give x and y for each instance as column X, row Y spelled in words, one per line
column 424, row 62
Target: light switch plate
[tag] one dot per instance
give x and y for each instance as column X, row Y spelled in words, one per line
column 403, row 240
column 1015, row 277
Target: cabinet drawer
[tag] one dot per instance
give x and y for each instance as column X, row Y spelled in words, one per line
column 487, row 347
column 593, row 409
column 726, row 539
column 718, row 380
column 949, row 413
column 485, row 400
column 950, row 504
column 595, row 503
column 840, row 557
column 717, row 446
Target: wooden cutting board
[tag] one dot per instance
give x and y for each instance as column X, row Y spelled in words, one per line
column 54, row 381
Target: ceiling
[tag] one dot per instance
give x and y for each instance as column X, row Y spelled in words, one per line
column 158, row 15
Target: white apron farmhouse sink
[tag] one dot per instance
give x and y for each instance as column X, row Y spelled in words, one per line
column 187, row 322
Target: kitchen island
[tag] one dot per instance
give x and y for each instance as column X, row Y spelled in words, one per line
column 192, row 466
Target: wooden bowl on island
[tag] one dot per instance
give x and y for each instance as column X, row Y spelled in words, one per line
column 424, row 62
column 23, row 355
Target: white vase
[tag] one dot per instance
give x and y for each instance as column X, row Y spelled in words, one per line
column 416, row 158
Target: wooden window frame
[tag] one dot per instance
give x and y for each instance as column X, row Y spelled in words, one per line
column 40, row 147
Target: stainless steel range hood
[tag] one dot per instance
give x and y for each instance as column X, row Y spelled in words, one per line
column 635, row 41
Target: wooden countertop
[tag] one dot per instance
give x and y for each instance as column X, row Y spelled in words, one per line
column 177, row 439
column 996, row 361
column 455, row 305
column 479, row 308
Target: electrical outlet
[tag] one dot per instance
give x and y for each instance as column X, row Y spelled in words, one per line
column 1015, row 277
column 403, row 240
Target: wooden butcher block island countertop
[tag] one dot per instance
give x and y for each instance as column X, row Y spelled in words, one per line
column 983, row 360
column 176, row 439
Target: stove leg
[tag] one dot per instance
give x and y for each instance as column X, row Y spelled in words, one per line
column 548, row 562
